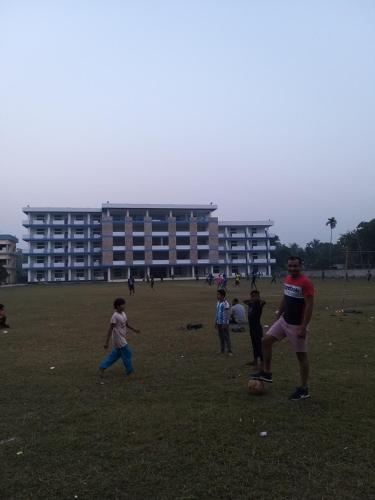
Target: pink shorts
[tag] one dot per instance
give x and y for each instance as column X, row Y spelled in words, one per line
column 281, row 329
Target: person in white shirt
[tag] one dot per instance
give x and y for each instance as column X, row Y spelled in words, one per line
column 117, row 330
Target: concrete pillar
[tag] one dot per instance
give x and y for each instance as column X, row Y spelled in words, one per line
column 193, row 271
column 69, row 275
column 109, row 274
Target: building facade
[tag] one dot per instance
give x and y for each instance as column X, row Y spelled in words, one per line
column 119, row 240
column 8, row 258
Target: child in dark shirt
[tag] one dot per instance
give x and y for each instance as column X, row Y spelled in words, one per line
column 255, row 305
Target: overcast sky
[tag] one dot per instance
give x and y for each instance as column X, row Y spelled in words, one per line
column 266, row 108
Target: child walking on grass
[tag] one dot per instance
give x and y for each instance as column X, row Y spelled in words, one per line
column 117, row 330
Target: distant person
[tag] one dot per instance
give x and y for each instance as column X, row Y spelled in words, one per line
column 222, row 322
column 323, row 275
column 152, row 282
column 255, row 305
column 3, row 317
column 161, row 279
column 238, row 314
column 294, row 315
column 224, row 281
column 237, row 279
column 117, row 330
column 273, row 278
column 147, row 278
column 131, row 285
column 210, row 279
column 253, row 283
column 369, row 275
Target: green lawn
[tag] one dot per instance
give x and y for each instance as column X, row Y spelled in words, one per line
column 184, row 427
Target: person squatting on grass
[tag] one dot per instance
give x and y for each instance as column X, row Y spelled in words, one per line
column 222, row 322
column 294, row 315
column 3, row 317
column 255, row 305
column 117, row 330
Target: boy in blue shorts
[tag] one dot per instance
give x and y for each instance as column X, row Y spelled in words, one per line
column 117, row 330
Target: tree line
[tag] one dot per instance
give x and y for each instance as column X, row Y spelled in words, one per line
column 354, row 249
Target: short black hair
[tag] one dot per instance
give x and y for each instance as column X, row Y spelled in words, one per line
column 295, row 257
column 1, row 306
column 222, row 292
column 118, row 302
column 235, row 301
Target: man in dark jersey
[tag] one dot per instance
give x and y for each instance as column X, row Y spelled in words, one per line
column 255, row 305
column 293, row 317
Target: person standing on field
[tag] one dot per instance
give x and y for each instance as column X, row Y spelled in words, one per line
column 222, row 322
column 294, row 315
column 117, row 331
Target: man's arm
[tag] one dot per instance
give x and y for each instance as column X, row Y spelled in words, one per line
column 109, row 333
column 281, row 308
column 132, row 329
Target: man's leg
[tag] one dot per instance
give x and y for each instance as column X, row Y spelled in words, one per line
column 221, row 338
column 227, row 339
column 126, row 356
column 267, row 343
column 303, row 367
column 109, row 360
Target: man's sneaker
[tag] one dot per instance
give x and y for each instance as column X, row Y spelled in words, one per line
column 261, row 375
column 300, row 393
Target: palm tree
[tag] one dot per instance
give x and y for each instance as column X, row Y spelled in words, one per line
column 331, row 222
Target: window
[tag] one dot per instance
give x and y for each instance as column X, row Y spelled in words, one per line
column 233, row 244
column 58, row 246
column 40, row 218
column 118, row 241
column 234, row 256
column 254, row 244
column 40, row 246
column 97, row 245
column 58, row 274
column 202, row 240
column 80, row 245
column 183, row 240
column 57, row 218
column 58, row 232
column 58, row 259
column 80, row 259
column 98, row 274
column 183, row 255
column 202, row 227
column 203, row 254
column 160, row 255
column 40, row 232
column 118, row 228
column 138, row 256
column 118, row 256
column 216, row 269
column 40, row 275
column 96, row 218
column 80, row 274
column 79, row 218
column 79, row 232
column 96, row 233
column 138, row 241
column 40, row 260
column 255, row 256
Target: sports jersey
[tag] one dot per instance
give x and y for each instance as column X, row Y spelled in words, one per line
column 295, row 291
column 222, row 312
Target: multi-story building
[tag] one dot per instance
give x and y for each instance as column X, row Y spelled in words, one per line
column 119, row 240
column 8, row 257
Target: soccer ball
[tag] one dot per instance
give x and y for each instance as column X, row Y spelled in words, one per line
column 256, row 387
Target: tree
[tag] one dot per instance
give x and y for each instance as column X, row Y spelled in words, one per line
column 331, row 222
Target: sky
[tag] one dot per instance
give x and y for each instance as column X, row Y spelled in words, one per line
column 266, row 108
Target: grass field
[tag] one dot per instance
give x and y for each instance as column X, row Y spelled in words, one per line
column 184, row 427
